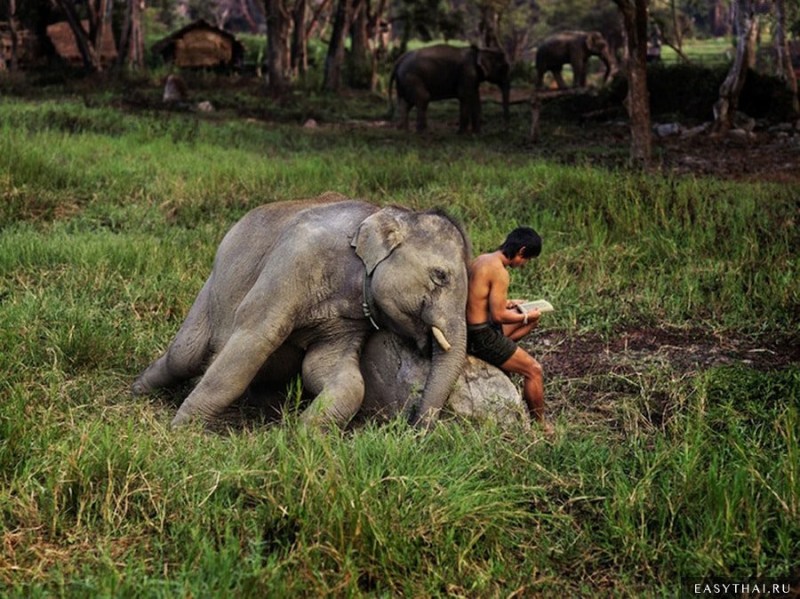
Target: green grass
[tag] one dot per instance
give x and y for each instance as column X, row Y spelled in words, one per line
column 108, row 226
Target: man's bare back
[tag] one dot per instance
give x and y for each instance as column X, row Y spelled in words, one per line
column 487, row 275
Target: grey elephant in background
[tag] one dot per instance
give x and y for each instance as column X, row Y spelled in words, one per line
column 441, row 72
column 297, row 287
column 573, row 48
column 395, row 372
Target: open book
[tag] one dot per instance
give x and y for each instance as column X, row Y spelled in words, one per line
column 541, row 305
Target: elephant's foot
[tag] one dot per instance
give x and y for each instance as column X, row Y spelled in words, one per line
column 139, row 387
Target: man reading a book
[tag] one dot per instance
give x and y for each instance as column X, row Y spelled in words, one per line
column 494, row 324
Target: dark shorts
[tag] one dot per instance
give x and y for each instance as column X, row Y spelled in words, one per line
column 487, row 342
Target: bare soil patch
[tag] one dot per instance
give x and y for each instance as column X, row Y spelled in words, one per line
column 684, row 350
column 767, row 157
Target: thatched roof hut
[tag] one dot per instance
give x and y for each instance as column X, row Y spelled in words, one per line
column 67, row 48
column 200, row 45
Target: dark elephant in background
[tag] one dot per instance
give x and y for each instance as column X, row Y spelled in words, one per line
column 573, row 48
column 441, row 72
column 298, row 287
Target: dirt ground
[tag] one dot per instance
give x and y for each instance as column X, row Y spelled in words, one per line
column 684, row 350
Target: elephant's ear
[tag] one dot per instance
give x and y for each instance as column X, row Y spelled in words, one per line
column 378, row 235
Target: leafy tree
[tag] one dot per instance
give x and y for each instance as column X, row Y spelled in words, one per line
column 426, row 20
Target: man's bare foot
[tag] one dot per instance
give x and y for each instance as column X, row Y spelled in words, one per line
column 546, row 427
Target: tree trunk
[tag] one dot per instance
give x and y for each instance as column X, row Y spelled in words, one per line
column 718, row 18
column 89, row 54
column 488, row 26
column 336, row 52
column 319, row 19
column 299, row 59
column 361, row 66
column 278, row 49
column 97, row 19
column 731, row 88
column 676, row 27
column 634, row 16
column 785, row 70
column 131, row 44
column 12, row 26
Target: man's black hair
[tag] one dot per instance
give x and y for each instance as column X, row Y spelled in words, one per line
column 522, row 237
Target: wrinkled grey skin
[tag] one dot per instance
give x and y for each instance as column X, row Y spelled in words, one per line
column 285, row 296
column 442, row 72
column 573, row 48
column 395, row 373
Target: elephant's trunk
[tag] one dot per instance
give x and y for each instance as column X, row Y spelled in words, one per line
column 611, row 65
column 446, row 366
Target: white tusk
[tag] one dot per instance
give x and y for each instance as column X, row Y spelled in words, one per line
column 441, row 339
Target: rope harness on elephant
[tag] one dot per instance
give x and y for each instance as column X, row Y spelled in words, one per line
column 367, row 304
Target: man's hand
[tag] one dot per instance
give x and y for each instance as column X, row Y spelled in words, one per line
column 532, row 317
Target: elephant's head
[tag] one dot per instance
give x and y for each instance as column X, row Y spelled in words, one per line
column 492, row 66
column 416, row 265
column 597, row 45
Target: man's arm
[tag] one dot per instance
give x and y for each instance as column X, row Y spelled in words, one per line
column 501, row 309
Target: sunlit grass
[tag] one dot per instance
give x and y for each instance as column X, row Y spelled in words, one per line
column 108, row 227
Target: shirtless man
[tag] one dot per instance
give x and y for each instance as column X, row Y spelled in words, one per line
column 493, row 322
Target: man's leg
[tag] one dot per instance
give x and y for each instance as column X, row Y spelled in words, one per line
column 522, row 363
column 517, row 331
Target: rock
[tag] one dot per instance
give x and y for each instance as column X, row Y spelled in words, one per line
column 782, row 128
column 205, row 106
column 744, row 122
column 667, row 129
column 395, row 374
column 740, row 135
column 310, row 124
column 175, row 90
column 695, row 131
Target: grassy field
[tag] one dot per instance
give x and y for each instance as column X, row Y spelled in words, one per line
column 108, row 224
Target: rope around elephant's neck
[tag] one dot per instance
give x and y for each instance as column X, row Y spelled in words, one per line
column 367, row 305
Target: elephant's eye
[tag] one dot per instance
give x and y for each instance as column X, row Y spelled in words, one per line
column 440, row 277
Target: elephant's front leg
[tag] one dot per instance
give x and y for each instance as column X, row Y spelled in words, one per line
column 464, row 116
column 404, row 106
column 559, row 78
column 260, row 327
column 331, row 372
column 473, row 111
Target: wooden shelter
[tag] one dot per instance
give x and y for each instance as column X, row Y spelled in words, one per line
column 63, row 39
column 28, row 50
column 200, row 45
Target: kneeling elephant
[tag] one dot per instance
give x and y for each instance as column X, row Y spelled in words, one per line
column 299, row 287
